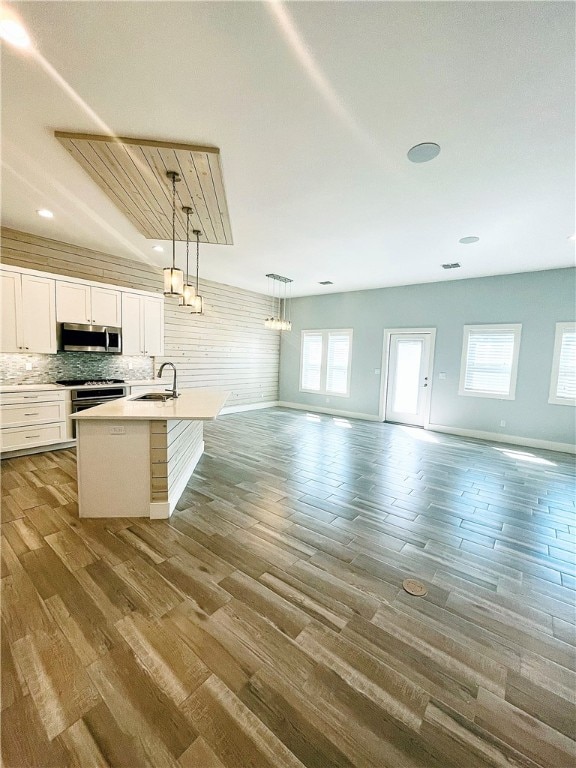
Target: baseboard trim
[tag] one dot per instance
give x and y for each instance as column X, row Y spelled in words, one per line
column 496, row 437
column 37, row 449
column 329, row 411
column 249, row 407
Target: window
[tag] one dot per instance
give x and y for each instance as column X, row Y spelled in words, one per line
column 490, row 361
column 563, row 383
column 325, row 362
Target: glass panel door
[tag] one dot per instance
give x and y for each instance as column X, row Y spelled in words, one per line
column 407, row 390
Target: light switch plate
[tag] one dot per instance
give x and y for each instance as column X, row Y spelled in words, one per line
column 28, row 366
column 441, row 375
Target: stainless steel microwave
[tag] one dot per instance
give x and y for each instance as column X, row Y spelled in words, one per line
column 74, row 337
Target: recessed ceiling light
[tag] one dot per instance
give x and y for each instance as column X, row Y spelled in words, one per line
column 12, row 31
column 468, row 240
column 157, row 248
column 423, row 153
column 326, row 282
column 454, row 265
column 45, row 213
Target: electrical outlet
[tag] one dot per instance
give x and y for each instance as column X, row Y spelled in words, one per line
column 327, row 399
column 130, row 364
column 441, row 375
column 502, row 423
column 28, row 366
column 117, row 430
column 377, row 371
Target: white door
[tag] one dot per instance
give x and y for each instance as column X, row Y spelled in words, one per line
column 11, row 331
column 132, row 325
column 154, row 327
column 408, row 388
column 105, row 307
column 39, row 314
column 73, row 303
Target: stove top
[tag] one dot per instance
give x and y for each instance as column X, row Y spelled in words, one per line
column 89, row 382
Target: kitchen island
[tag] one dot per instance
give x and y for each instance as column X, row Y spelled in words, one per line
column 136, row 456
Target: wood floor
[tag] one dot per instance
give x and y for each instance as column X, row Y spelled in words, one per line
column 265, row 625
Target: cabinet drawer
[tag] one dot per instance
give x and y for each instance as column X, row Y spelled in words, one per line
column 41, row 396
column 28, row 437
column 34, row 413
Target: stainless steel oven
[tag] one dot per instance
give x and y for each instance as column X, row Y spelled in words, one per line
column 88, row 394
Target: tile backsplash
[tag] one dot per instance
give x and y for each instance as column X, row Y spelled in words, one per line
column 47, row 369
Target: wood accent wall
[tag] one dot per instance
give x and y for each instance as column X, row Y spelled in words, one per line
column 172, row 446
column 227, row 347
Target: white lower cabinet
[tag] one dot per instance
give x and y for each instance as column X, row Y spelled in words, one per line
column 30, row 419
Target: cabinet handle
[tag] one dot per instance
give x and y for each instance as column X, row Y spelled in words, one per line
column 26, row 347
column 32, row 414
column 31, row 437
column 30, row 397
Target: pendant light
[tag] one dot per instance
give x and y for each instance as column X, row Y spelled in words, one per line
column 197, row 302
column 188, row 292
column 173, row 278
column 282, row 321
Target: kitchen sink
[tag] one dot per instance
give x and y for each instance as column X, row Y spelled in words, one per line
column 158, row 396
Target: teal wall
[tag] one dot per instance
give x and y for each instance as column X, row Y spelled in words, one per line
column 538, row 300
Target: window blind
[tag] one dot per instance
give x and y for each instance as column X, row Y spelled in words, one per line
column 566, row 384
column 489, row 360
column 311, row 361
column 337, row 363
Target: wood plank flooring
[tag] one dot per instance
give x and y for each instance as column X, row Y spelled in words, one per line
column 264, row 625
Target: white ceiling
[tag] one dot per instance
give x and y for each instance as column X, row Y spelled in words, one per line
column 314, row 106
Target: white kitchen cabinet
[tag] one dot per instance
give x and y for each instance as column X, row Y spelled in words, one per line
column 31, row 419
column 79, row 303
column 142, row 325
column 28, row 313
column 154, row 326
column 106, row 306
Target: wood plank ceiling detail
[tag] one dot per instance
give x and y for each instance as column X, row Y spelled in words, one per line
column 132, row 172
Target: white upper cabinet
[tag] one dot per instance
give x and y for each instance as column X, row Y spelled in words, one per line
column 28, row 313
column 132, row 326
column 106, row 307
column 142, row 325
column 154, row 326
column 78, row 303
column 11, row 330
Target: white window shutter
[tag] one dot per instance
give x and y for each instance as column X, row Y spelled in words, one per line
column 566, row 383
column 489, row 361
column 337, row 363
column 311, row 361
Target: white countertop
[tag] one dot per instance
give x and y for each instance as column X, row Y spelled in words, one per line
column 192, row 405
column 30, row 388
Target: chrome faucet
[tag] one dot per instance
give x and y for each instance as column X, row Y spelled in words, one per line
column 174, row 390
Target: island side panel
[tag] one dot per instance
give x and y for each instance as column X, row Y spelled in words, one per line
column 175, row 448
column 113, row 468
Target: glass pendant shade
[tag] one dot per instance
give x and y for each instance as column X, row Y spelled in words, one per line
column 188, row 296
column 197, row 305
column 173, row 281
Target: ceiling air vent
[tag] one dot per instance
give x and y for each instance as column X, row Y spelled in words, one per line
column 326, row 282
column 451, row 266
